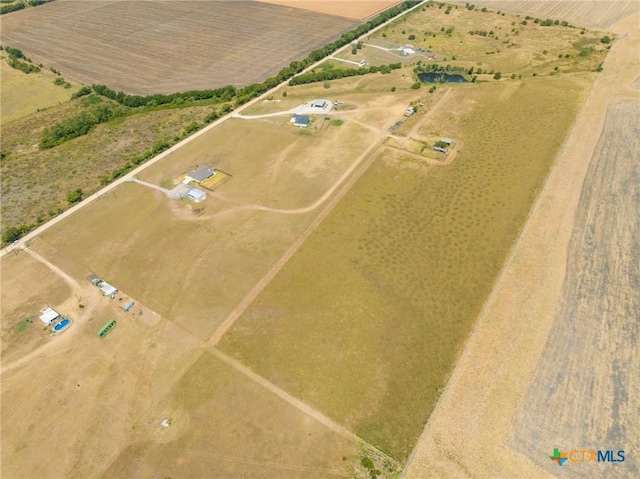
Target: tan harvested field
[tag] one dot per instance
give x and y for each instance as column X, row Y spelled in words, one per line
column 357, row 9
column 588, row 369
column 509, row 401
column 582, row 13
column 144, row 47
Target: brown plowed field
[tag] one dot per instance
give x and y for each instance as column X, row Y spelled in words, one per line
column 357, row 9
column 583, row 13
column 145, row 47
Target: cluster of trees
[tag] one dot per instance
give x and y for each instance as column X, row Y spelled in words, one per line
column 11, row 7
column 75, row 126
column 336, row 73
column 15, row 61
column 435, row 68
column 133, row 101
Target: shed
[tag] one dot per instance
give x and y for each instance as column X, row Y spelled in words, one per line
column 128, row 306
column 94, row 279
column 301, row 120
column 410, row 111
column 319, row 104
column 446, row 140
column 107, row 289
column 196, row 195
column 48, row 315
column 441, row 150
column 200, row 174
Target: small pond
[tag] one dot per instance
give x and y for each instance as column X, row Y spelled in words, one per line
column 438, row 77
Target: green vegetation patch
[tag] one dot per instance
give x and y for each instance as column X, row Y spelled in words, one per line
column 416, row 250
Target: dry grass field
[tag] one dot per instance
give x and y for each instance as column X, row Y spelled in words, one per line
column 167, row 46
column 356, row 274
column 106, row 398
column 356, row 9
column 473, row 431
column 28, row 93
column 219, row 252
column 416, row 249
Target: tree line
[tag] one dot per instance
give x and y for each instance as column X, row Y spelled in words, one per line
column 336, row 73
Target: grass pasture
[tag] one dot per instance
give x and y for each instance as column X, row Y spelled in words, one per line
column 179, row 46
column 28, row 93
column 49, row 175
column 417, row 250
column 509, row 46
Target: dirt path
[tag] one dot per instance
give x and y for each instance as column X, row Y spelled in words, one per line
column 260, row 285
column 72, row 282
column 469, row 433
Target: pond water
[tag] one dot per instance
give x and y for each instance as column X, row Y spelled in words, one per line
column 436, row 78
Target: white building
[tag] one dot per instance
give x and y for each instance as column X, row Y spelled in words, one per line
column 48, row 316
column 108, row 290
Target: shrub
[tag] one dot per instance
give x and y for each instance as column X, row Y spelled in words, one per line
column 75, row 196
column 606, row 39
column 416, row 86
column 368, row 463
column 497, row 76
column 412, row 37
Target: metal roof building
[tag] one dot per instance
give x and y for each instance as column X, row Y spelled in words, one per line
column 107, row 289
column 48, row 315
column 196, row 195
column 301, row 120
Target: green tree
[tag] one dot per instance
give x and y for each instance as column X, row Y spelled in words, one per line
column 75, row 196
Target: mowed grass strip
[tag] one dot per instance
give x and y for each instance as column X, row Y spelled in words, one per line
column 366, row 321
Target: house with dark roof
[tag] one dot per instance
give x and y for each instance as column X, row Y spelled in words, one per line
column 200, row 174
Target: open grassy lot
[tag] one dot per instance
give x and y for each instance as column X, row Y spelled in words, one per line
column 494, row 42
column 195, row 268
column 416, row 249
column 29, row 93
column 177, row 46
column 225, row 425
column 50, row 175
column 27, row 287
column 92, row 394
